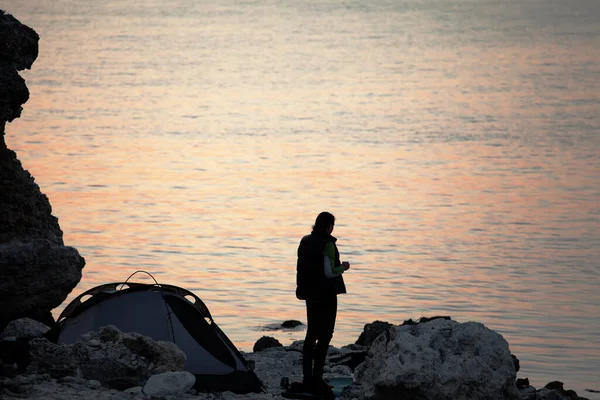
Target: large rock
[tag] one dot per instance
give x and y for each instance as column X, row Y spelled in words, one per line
column 35, row 275
column 18, row 42
column 371, row 331
column 169, row 383
column 555, row 390
column 55, row 360
column 266, row 342
column 117, row 360
column 37, row 271
column 438, row 360
column 26, row 328
column 18, row 50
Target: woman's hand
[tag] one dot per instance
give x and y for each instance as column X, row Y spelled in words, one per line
column 346, row 265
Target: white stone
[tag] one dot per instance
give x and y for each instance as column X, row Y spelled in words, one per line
column 169, row 383
column 441, row 360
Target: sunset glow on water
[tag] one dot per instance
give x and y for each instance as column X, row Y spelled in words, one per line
column 457, row 145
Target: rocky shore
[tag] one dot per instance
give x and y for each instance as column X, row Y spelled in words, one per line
column 432, row 358
column 429, row 359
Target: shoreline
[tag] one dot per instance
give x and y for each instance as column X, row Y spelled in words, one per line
column 272, row 361
column 287, row 336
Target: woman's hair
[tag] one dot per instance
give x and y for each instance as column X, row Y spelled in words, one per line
column 323, row 221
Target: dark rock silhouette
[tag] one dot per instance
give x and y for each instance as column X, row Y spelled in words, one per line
column 521, row 383
column 557, row 386
column 37, row 271
column 292, row 323
column 18, row 50
column 422, row 320
column 266, row 342
column 371, row 331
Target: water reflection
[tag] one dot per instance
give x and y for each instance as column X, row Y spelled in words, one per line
column 461, row 162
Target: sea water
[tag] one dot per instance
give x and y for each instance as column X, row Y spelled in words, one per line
column 457, row 142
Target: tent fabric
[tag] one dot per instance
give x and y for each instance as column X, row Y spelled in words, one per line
column 163, row 313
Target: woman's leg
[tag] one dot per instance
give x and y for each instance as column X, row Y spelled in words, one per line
column 312, row 329
column 327, row 316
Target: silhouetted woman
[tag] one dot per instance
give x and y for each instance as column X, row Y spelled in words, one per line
column 319, row 281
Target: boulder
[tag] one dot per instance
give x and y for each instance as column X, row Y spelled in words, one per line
column 35, row 275
column 291, row 323
column 55, row 360
column 440, row 359
column 117, row 360
column 266, row 342
column 555, row 390
column 371, row 332
column 169, row 383
column 24, row 328
column 549, row 394
column 37, row 271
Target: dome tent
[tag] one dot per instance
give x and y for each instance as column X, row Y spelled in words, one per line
column 163, row 313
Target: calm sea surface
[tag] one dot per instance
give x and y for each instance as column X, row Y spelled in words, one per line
column 456, row 141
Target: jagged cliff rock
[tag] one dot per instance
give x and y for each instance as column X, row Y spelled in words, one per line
column 37, row 271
